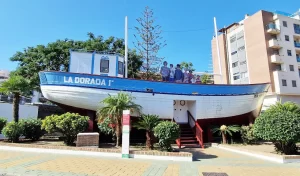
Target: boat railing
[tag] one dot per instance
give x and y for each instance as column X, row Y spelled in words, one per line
column 196, row 128
column 178, row 141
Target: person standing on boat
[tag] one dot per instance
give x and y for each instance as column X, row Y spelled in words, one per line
column 178, row 76
column 198, row 79
column 165, row 71
column 190, row 76
column 172, row 73
column 186, row 76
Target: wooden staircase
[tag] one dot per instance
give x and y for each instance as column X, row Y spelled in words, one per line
column 187, row 137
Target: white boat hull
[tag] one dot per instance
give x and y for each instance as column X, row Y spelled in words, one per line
column 201, row 107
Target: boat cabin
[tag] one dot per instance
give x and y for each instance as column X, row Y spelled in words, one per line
column 97, row 63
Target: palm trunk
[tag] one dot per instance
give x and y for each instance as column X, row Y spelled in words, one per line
column 16, row 101
column 149, row 142
column 118, row 132
column 224, row 138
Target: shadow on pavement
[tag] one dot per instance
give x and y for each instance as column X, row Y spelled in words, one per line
column 198, row 154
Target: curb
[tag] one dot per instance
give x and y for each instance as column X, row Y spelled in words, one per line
column 166, row 156
column 265, row 156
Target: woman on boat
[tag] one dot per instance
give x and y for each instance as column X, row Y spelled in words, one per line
column 172, row 73
column 165, row 72
column 186, row 76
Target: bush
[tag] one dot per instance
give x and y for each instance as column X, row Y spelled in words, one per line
column 107, row 127
column 281, row 127
column 167, row 132
column 247, row 135
column 32, row 129
column 13, row 130
column 3, row 122
column 69, row 124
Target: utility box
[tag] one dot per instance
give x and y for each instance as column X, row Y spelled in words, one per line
column 87, row 140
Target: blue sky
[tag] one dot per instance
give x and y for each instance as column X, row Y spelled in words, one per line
column 33, row 22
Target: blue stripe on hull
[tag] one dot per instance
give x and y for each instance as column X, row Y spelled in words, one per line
column 121, row 84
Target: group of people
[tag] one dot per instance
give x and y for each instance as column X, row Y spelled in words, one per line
column 172, row 74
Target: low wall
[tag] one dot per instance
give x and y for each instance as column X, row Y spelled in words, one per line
column 25, row 111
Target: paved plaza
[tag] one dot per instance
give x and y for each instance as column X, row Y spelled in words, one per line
column 207, row 160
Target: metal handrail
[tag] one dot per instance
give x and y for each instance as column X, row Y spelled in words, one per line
column 197, row 130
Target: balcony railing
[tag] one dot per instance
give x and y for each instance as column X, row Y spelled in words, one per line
column 298, row 59
column 271, row 28
column 297, row 44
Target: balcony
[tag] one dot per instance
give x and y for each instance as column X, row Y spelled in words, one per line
column 271, row 28
column 298, row 60
column 276, row 59
column 274, row 43
column 297, row 46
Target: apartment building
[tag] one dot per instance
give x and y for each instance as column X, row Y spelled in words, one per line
column 263, row 47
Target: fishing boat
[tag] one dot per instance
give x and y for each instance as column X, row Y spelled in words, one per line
column 93, row 76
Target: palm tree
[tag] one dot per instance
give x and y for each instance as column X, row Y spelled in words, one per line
column 148, row 122
column 223, row 130
column 287, row 106
column 113, row 108
column 18, row 86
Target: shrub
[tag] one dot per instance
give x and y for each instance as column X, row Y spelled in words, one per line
column 247, row 135
column 3, row 122
column 32, row 129
column 167, row 132
column 281, row 127
column 13, row 130
column 107, row 127
column 69, row 124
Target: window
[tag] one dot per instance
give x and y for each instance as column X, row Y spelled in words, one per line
column 241, row 48
column 232, row 39
column 121, row 68
column 289, row 52
column 104, row 66
column 244, row 74
column 243, row 62
column 234, row 64
column 278, row 67
column 273, row 36
column 294, row 83
column 236, row 77
column 287, row 38
column 275, row 51
column 283, row 82
column 284, row 23
column 234, row 52
column 292, row 68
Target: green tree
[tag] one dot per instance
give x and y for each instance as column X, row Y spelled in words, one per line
column 224, row 130
column 149, row 41
column 18, row 86
column 205, row 79
column 55, row 56
column 113, row 108
column 187, row 65
column 148, row 122
column 280, row 124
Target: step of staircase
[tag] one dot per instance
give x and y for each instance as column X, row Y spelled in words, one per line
column 187, row 137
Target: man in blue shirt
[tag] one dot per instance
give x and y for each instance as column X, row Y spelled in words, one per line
column 178, row 74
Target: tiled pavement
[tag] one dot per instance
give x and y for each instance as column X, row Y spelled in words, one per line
column 208, row 160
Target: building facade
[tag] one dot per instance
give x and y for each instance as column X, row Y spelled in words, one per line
column 263, row 47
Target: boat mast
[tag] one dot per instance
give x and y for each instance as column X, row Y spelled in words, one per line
column 126, row 48
column 218, row 50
